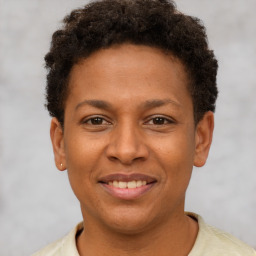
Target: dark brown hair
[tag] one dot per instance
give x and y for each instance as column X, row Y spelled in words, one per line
column 155, row 23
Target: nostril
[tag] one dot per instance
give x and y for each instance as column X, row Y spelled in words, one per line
column 113, row 158
column 126, row 147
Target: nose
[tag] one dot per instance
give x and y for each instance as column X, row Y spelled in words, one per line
column 127, row 145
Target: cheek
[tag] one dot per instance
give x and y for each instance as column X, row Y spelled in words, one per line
column 176, row 154
column 81, row 152
column 81, row 160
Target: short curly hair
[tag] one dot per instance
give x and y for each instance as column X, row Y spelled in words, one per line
column 156, row 23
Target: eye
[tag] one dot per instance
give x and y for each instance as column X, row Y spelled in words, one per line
column 96, row 121
column 159, row 120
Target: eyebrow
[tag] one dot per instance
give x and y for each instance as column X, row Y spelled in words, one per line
column 154, row 103
column 149, row 104
column 94, row 103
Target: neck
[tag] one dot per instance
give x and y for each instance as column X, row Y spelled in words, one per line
column 174, row 237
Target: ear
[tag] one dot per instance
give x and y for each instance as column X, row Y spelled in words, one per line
column 203, row 138
column 57, row 138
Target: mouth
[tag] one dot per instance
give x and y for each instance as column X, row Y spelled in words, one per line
column 127, row 187
column 129, row 184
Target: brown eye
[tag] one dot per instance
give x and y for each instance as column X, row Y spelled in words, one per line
column 159, row 120
column 96, row 121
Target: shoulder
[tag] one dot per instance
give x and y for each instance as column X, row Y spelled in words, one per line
column 65, row 246
column 213, row 242
column 51, row 249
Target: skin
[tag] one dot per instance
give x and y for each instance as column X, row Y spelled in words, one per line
column 137, row 84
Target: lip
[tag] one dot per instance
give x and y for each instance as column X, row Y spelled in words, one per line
column 127, row 177
column 127, row 193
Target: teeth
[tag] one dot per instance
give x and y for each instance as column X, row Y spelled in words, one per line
column 139, row 183
column 129, row 184
column 122, row 184
column 115, row 184
column 132, row 184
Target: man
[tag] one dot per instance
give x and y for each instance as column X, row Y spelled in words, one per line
column 132, row 88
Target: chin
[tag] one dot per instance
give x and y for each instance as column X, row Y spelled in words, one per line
column 129, row 221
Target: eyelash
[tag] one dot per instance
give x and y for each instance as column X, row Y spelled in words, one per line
column 162, row 118
column 86, row 121
column 100, row 121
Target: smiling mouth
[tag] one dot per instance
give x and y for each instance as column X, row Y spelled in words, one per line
column 127, row 187
column 129, row 184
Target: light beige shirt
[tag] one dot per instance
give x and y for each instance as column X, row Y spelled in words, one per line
column 209, row 242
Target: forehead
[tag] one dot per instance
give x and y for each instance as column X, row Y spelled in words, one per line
column 129, row 70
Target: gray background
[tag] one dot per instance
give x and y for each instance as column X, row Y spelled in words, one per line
column 36, row 203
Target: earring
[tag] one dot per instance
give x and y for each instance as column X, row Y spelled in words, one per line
column 62, row 168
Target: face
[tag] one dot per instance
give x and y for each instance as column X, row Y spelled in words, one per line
column 129, row 141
